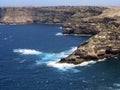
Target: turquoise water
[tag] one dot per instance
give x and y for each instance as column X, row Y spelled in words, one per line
column 28, row 56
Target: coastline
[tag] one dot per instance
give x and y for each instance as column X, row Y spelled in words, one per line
column 101, row 23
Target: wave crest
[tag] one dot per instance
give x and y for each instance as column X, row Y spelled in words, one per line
column 60, row 66
column 59, row 34
column 66, row 66
column 45, row 58
column 27, row 51
column 86, row 63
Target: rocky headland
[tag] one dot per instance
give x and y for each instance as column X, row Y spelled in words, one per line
column 102, row 23
column 104, row 26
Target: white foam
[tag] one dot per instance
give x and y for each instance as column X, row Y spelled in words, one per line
column 86, row 63
column 51, row 59
column 73, row 49
column 61, row 66
column 55, row 56
column 59, row 34
column 82, row 35
column 27, row 51
column 100, row 60
column 117, row 84
column 66, row 66
column 61, row 28
column 45, row 58
column 116, row 57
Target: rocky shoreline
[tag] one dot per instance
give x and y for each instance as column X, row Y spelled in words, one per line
column 103, row 23
column 105, row 41
column 103, row 45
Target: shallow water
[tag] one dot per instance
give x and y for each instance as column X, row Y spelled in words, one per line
column 28, row 56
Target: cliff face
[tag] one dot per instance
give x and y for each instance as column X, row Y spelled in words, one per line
column 106, row 40
column 19, row 15
column 72, row 16
column 89, row 20
column 84, row 21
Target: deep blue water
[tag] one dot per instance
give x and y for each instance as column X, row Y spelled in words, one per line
column 28, row 56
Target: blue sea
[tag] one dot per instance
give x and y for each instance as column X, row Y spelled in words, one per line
column 28, row 61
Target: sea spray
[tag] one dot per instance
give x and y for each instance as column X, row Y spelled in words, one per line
column 51, row 59
column 45, row 58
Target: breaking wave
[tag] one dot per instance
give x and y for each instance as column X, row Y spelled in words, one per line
column 86, row 63
column 66, row 66
column 46, row 58
column 63, row 66
column 51, row 59
column 59, row 34
column 27, row 51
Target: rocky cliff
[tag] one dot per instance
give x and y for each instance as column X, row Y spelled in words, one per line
column 103, row 23
column 68, row 14
column 105, row 42
column 20, row 15
column 84, row 21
